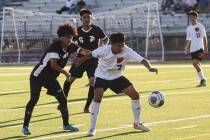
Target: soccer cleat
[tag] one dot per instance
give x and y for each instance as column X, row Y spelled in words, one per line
column 91, row 132
column 86, row 110
column 70, row 128
column 26, row 131
column 202, row 83
column 140, row 126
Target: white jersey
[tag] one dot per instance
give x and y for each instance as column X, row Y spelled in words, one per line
column 111, row 66
column 195, row 34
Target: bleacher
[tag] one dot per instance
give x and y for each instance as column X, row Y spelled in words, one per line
column 171, row 23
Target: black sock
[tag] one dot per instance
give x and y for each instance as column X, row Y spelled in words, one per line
column 90, row 96
column 63, row 108
column 66, row 88
column 27, row 118
column 65, row 114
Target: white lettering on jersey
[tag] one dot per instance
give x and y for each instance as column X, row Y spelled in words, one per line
column 81, row 40
column 92, row 39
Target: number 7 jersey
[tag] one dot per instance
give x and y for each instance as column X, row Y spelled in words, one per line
column 110, row 65
column 195, row 34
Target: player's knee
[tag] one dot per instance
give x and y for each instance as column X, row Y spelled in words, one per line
column 32, row 102
column 91, row 81
column 98, row 98
column 135, row 96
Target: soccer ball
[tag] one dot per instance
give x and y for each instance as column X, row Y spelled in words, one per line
column 156, row 99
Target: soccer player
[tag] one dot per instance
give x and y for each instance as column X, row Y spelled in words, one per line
column 112, row 61
column 89, row 37
column 45, row 74
column 196, row 40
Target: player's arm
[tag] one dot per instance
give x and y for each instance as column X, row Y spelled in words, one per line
column 104, row 42
column 186, row 46
column 187, row 42
column 205, row 40
column 79, row 61
column 54, row 65
column 135, row 56
column 147, row 64
column 84, row 51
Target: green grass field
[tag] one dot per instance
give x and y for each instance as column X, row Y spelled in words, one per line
column 185, row 115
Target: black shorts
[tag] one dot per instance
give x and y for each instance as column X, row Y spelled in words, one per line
column 77, row 72
column 198, row 55
column 116, row 85
column 53, row 87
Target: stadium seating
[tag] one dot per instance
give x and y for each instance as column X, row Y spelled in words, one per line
column 171, row 23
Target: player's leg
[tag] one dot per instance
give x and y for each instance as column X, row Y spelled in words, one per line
column 55, row 88
column 90, row 95
column 76, row 72
column 197, row 66
column 67, row 85
column 196, row 61
column 99, row 88
column 136, row 107
column 35, row 89
column 123, row 85
column 90, row 69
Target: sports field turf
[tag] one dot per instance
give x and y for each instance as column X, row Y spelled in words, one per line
column 185, row 115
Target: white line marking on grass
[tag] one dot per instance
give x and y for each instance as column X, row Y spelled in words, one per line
column 14, row 74
column 123, row 127
column 78, row 133
column 195, row 136
column 185, row 127
column 140, row 73
column 106, row 99
column 10, row 82
column 134, row 82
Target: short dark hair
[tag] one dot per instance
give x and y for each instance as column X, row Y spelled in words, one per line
column 194, row 13
column 117, row 38
column 66, row 30
column 85, row 11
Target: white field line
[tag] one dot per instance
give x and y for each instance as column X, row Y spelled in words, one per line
column 123, row 127
column 195, row 136
column 153, row 81
column 140, row 73
column 106, row 99
column 185, row 127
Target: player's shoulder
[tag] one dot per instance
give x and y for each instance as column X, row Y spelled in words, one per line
column 54, row 47
column 96, row 27
column 200, row 24
column 79, row 28
column 105, row 47
column 127, row 48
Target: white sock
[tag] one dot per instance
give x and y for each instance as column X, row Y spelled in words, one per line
column 94, row 114
column 136, row 110
column 201, row 75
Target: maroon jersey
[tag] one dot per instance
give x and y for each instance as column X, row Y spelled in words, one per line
column 43, row 69
column 90, row 39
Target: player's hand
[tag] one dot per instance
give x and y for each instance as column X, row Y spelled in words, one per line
column 68, row 76
column 87, row 85
column 77, row 62
column 185, row 51
column 153, row 70
column 206, row 51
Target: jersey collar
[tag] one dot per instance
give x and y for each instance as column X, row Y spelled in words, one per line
column 86, row 31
